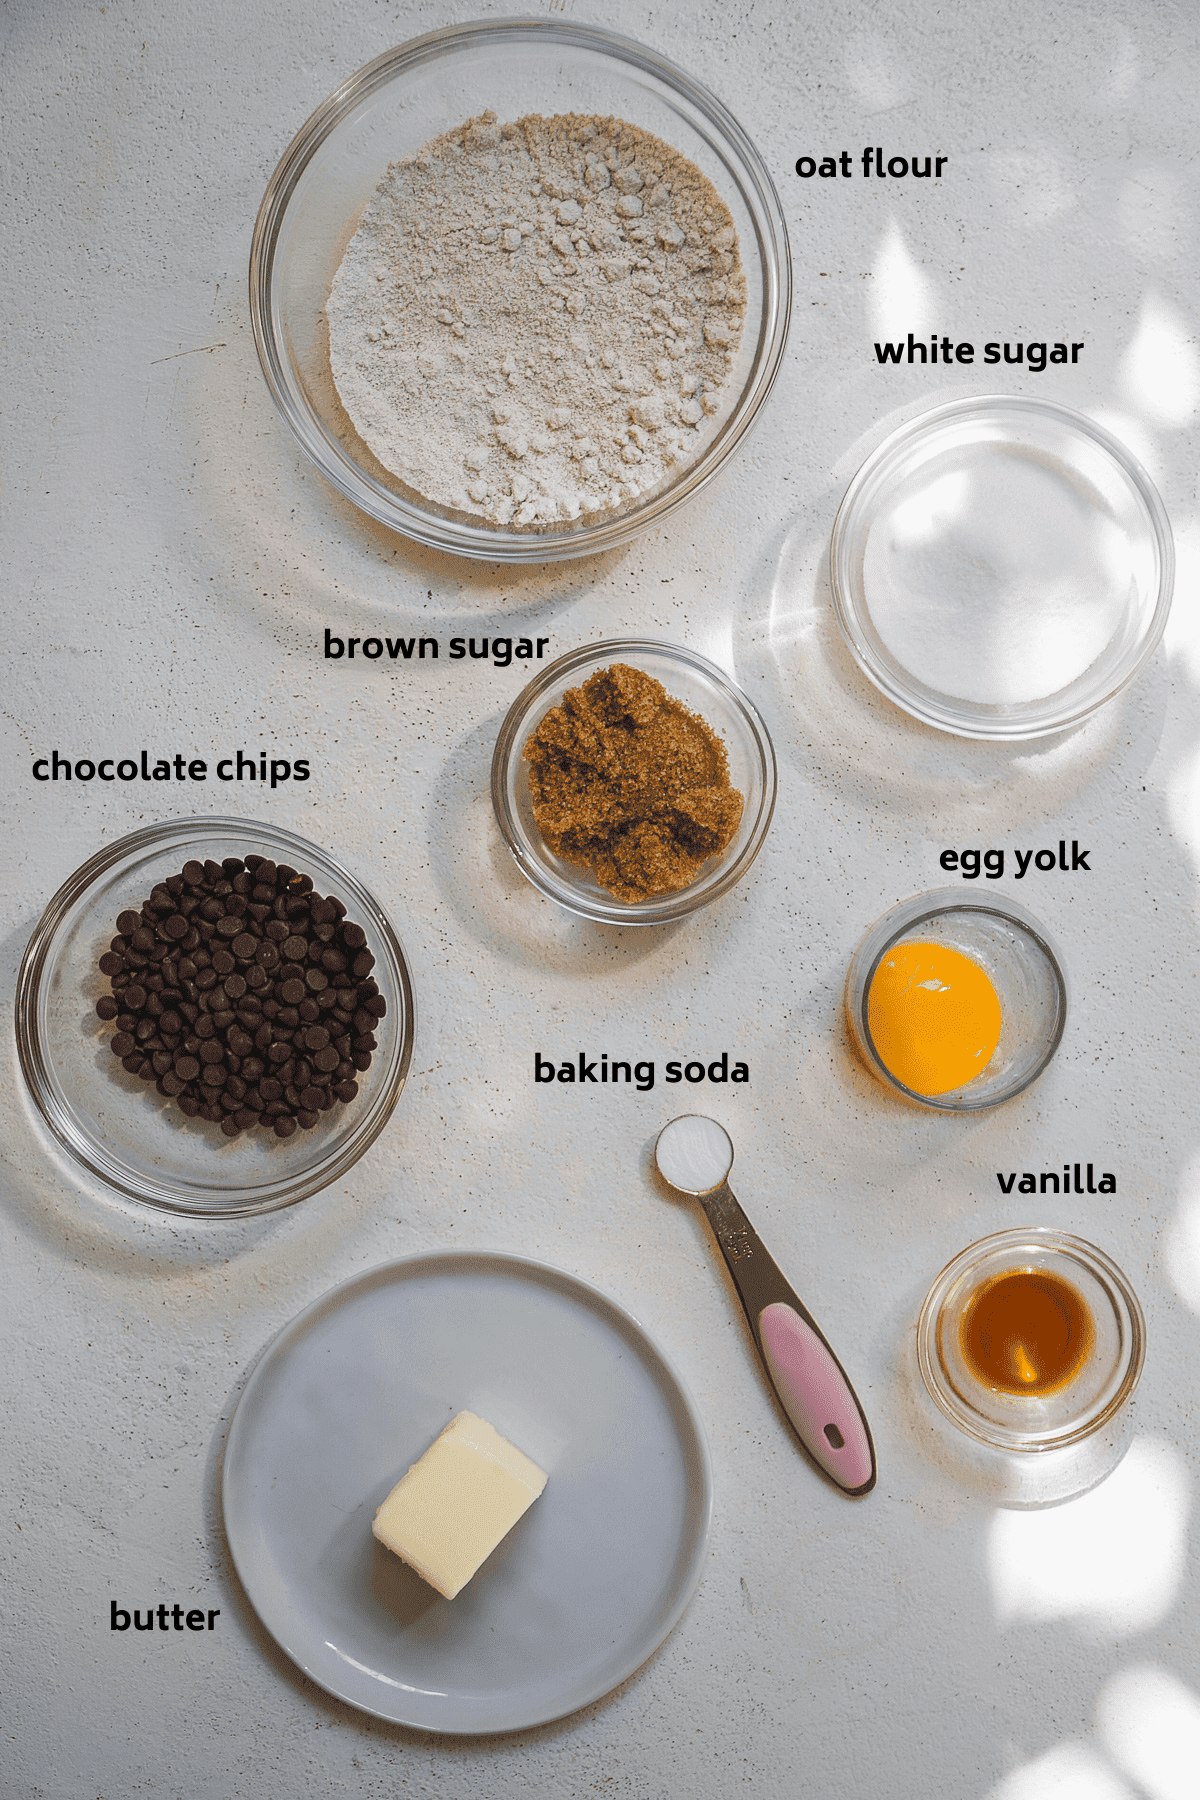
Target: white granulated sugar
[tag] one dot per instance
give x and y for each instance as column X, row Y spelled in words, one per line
column 534, row 321
column 997, row 575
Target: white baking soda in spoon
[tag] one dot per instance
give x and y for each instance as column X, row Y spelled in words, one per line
column 694, row 1155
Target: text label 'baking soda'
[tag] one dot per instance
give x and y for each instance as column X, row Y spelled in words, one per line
column 639, row 1074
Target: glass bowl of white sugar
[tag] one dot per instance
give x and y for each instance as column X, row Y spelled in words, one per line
column 520, row 289
column 1001, row 567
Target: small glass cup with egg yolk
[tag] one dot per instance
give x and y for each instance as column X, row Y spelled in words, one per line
column 956, row 1003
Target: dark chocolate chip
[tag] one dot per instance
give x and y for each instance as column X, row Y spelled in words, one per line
column 206, row 1030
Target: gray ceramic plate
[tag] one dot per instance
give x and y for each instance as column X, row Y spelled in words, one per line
column 584, row 1588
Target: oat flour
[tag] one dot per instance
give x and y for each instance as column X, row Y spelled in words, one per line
column 534, row 321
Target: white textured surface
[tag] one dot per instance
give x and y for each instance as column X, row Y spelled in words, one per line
column 171, row 564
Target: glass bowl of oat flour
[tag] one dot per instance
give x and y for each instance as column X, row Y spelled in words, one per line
column 520, row 289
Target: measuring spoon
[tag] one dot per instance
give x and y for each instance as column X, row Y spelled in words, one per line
column 694, row 1155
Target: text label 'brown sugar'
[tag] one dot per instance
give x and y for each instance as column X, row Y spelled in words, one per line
column 499, row 651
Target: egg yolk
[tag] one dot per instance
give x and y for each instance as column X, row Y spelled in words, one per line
column 934, row 1017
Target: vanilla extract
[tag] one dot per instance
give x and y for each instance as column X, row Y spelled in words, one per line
column 1027, row 1331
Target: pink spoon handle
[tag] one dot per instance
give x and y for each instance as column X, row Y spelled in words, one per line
column 812, row 1386
column 816, row 1397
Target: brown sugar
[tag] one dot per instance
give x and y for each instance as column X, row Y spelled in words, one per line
column 627, row 781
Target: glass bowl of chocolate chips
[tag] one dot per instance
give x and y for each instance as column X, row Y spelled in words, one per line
column 214, row 1017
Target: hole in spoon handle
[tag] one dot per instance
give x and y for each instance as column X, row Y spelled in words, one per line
column 817, row 1398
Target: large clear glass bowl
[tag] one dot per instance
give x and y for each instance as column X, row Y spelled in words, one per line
column 412, row 94
column 1001, row 567
column 703, row 689
column 118, row 1127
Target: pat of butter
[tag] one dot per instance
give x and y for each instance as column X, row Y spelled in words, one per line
column 446, row 1516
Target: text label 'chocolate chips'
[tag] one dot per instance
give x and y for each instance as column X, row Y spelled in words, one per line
column 243, row 995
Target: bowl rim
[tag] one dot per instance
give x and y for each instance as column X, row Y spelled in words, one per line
column 1038, row 1238
column 660, row 910
column 993, row 724
column 894, row 924
column 162, row 1195
column 489, row 544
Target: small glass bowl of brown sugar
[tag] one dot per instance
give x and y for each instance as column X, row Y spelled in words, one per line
column 633, row 782
column 1031, row 1340
column 139, row 1131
